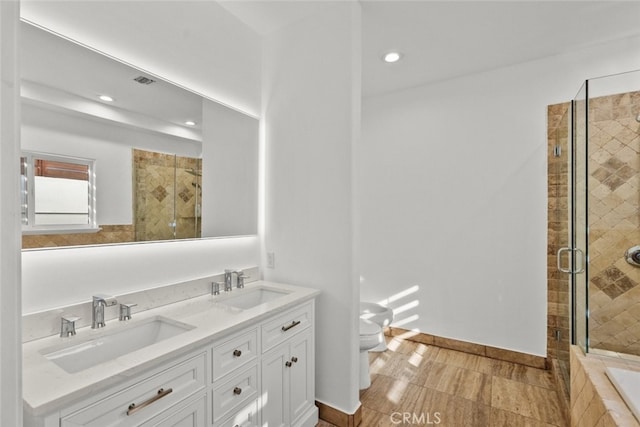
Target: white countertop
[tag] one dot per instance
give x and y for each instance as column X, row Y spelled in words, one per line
column 47, row 387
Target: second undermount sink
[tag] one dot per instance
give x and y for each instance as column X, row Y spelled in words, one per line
column 249, row 298
column 131, row 337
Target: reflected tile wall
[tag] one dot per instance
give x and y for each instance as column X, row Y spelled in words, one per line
column 107, row 234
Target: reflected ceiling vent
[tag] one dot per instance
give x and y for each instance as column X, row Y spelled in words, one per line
column 144, row 80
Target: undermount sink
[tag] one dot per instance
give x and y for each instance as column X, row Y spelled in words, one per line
column 249, row 298
column 106, row 347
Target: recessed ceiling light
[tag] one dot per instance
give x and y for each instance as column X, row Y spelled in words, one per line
column 190, row 123
column 106, row 98
column 391, row 57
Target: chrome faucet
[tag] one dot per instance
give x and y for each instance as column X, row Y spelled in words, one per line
column 97, row 312
column 228, row 279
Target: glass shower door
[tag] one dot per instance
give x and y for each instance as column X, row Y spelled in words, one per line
column 579, row 221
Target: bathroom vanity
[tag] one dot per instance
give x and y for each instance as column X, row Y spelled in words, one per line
column 241, row 358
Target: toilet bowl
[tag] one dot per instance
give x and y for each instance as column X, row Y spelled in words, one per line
column 370, row 337
column 376, row 313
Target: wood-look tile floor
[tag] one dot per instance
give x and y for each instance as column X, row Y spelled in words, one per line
column 416, row 384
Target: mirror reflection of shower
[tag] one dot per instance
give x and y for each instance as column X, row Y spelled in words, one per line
column 167, row 196
column 196, row 184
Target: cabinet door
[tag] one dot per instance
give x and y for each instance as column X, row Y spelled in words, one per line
column 301, row 379
column 275, row 407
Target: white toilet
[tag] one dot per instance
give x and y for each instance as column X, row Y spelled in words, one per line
column 376, row 313
column 370, row 337
column 373, row 317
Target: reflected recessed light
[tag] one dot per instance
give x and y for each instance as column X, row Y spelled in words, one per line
column 392, row 57
column 190, row 123
column 106, row 98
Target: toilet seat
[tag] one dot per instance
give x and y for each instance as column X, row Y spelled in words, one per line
column 376, row 313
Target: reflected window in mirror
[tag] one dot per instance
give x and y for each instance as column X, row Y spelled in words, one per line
column 58, row 194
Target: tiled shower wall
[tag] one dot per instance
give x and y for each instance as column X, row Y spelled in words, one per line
column 614, row 222
column 160, row 180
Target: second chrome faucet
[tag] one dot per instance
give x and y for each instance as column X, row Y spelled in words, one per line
column 228, row 279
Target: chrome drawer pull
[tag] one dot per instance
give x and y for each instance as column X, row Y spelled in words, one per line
column 237, row 390
column 133, row 408
column 237, row 353
column 293, row 324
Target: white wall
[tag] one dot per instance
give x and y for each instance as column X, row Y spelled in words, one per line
column 229, row 171
column 10, row 320
column 56, row 132
column 311, row 101
column 64, row 276
column 453, row 192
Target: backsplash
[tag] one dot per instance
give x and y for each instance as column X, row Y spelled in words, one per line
column 47, row 323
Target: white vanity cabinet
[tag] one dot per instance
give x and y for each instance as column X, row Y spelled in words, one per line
column 260, row 374
column 288, row 371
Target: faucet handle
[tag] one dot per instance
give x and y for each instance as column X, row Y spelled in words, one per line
column 215, row 288
column 125, row 311
column 68, row 325
column 241, row 277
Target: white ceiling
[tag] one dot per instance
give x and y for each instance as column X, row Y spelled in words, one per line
column 440, row 39
column 446, row 39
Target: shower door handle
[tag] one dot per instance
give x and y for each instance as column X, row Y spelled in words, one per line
column 569, row 270
column 581, row 269
column 559, row 258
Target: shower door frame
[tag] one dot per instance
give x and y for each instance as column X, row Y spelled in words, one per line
column 578, row 218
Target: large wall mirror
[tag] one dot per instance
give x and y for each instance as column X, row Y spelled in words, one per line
column 161, row 162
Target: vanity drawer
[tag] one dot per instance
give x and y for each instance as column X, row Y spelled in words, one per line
column 191, row 414
column 151, row 396
column 234, row 353
column 234, row 393
column 247, row 416
column 282, row 327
